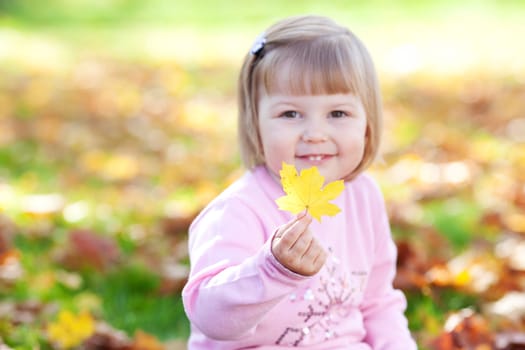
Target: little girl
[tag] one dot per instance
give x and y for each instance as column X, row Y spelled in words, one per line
column 262, row 278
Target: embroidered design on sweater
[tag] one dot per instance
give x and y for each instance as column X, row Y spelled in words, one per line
column 330, row 304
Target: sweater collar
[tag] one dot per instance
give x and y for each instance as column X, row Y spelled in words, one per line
column 270, row 185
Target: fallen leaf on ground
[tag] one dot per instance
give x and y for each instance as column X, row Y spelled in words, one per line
column 89, row 249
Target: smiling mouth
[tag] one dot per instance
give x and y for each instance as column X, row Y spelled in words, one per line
column 315, row 157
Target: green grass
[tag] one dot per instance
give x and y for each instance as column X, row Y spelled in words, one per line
column 130, row 301
column 18, row 155
column 213, row 14
column 24, row 338
column 202, row 31
column 126, row 296
column 456, row 219
column 429, row 312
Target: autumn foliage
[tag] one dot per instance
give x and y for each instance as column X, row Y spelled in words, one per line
column 105, row 162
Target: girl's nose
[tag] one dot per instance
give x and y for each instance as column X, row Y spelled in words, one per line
column 314, row 132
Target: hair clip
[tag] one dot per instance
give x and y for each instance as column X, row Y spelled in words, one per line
column 258, row 45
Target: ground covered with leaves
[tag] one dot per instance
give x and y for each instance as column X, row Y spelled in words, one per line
column 105, row 161
column 104, row 167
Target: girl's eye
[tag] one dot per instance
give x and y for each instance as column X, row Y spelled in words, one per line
column 290, row 114
column 338, row 114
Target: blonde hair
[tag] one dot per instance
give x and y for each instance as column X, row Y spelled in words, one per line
column 321, row 57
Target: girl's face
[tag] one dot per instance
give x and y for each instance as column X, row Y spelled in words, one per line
column 327, row 131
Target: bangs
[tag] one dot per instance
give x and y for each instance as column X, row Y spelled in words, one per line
column 311, row 68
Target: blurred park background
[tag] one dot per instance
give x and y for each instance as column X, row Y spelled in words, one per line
column 117, row 125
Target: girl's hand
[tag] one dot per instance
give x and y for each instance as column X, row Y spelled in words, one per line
column 295, row 247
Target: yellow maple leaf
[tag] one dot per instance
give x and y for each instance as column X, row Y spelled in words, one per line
column 70, row 330
column 306, row 192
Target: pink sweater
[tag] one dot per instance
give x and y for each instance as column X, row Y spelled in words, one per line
column 239, row 296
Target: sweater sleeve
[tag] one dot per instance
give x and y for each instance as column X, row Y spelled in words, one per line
column 234, row 280
column 383, row 306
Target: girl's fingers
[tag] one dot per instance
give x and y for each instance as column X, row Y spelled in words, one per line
column 321, row 258
column 281, row 230
column 313, row 260
column 297, row 249
column 318, row 255
column 311, row 251
column 293, row 233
